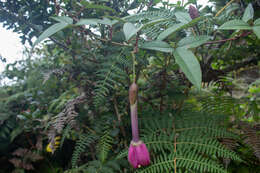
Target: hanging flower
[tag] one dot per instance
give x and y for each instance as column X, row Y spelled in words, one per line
column 138, row 154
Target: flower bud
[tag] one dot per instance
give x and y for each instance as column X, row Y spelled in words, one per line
column 193, row 12
column 138, row 154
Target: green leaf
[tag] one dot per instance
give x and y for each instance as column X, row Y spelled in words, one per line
column 104, row 21
column 130, row 30
column 169, row 31
column 87, row 22
column 17, row 131
column 157, row 45
column 232, row 7
column 257, row 22
column 189, row 65
column 183, row 17
column 177, row 27
column 153, row 22
column 256, row 28
column 107, row 21
column 50, row 31
column 193, row 41
column 235, row 24
column 249, row 13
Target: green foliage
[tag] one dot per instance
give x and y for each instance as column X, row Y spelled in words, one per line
column 235, row 24
column 249, row 13
column 75, row 86
column 189, row 65
column 63, row 22
column 110, row 75
column 105, row 145
column 84, row 141
column 256, row 27
column 190, row 140
column 158, row 45
column 129, row 30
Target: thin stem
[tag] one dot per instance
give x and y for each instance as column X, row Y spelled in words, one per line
column 134, row 59
column 230, row 39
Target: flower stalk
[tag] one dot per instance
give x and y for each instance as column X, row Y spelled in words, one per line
column 133, row 109
column 138, row 154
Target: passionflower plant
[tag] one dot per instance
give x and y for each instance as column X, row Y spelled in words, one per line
column 138, row 154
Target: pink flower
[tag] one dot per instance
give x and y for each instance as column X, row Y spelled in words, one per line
column 138, row 154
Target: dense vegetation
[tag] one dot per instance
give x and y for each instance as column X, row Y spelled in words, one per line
column 67, row 107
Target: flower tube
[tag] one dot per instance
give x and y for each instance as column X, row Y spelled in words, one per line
column 138, row 154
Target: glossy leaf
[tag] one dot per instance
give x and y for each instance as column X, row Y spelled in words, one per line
column 169, row 31
column 193, row 41
column 130, row 30
column 157, row 45
column 189, row 65
column 256, row 28
column 50, row 31
column 107, row 21
column 87, row 22
column 183, row 17
column 249, row 13
column 235, row 24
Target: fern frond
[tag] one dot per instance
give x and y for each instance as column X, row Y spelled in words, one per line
column 65, row 134
column 209, row 147
column 190, row 124
column 251, row 138
column 187, row 160
column 84, row 141
column 77, row 170
column 195, row 139
column 105, row 145
column 122, row 154
column 109, row 76
column 219, row 104
column 150, row 15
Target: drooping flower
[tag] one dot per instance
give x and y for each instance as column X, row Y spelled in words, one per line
column 138, row 154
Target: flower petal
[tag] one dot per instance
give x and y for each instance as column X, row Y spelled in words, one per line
column 132, row 156
column 143, row 155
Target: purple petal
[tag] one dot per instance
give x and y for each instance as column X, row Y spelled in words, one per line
column 132, row 156
column 143, row 155
column 138, row 154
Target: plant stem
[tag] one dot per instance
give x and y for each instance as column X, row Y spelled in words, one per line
column 134, row 75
